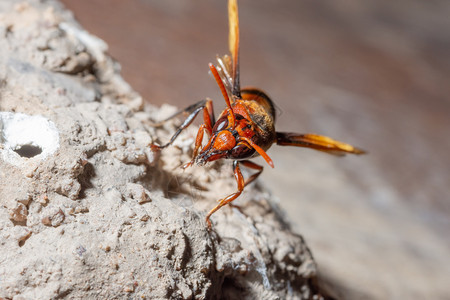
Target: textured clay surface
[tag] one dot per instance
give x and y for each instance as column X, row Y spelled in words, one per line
column 103, row 217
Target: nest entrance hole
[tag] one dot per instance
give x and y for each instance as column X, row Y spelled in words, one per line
column 28, row 151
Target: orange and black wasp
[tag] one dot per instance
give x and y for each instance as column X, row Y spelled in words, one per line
column 246, row 127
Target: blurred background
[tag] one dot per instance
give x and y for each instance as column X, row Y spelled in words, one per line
column 373, row 73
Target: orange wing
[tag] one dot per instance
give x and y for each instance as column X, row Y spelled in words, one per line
column 224, row 68
column 233, row 42
column 317, row 142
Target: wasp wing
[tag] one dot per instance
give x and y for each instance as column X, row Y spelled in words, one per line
column 224, row 68
column 317, row 142
column 233, row 42
column 228, row 67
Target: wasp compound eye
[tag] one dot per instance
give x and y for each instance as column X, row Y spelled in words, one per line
column 221, row 124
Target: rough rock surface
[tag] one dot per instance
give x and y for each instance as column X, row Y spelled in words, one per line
column 104, row 217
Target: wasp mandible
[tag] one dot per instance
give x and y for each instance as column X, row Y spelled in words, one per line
column 246, row 127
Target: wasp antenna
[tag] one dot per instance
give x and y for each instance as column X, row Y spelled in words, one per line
column 223, row 90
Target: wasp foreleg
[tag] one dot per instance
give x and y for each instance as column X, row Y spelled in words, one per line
column 198, row 143
column 208, row 123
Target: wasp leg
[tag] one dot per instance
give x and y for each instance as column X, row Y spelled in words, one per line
column 193, row 111
column 258, row 149
column 240, row 183
column 208, row 123
column 208, row 115
column 198, row 143
column 250, row 165
column 317, row 142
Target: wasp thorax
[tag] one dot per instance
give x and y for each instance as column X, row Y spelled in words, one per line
column 224, row 141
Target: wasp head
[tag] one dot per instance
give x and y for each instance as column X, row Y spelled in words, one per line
column 225, row 141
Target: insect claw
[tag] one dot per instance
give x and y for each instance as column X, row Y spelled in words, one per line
column 208, row 223
column 186, row 165
column 155, row 148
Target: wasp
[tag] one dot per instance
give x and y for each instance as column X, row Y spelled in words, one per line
column 246, row 127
